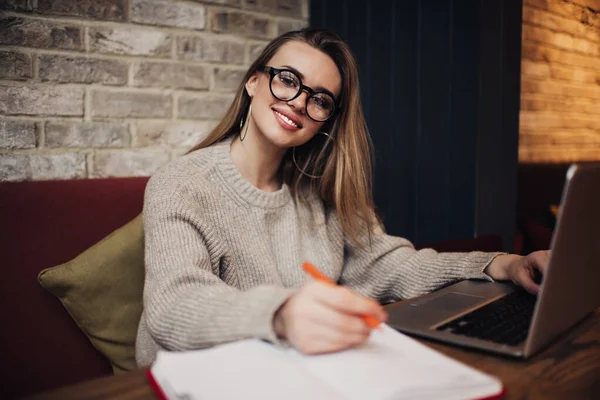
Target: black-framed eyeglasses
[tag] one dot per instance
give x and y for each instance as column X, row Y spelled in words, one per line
column 286, row 85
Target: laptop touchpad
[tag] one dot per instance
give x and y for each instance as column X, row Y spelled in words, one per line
column 454, row 301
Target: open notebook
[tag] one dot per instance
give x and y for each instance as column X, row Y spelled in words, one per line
column 390, row 366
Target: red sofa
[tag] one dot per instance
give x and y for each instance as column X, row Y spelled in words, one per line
column 43, row 224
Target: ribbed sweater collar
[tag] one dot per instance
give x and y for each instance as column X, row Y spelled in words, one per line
column 244, row 189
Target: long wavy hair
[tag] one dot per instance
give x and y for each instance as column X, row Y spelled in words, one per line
column 344, row 168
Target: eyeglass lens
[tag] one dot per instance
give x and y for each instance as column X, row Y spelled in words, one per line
column 286, row 85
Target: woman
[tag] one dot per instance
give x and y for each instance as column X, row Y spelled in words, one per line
column 283, row 179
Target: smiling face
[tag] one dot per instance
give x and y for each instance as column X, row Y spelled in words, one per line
column 286, row 124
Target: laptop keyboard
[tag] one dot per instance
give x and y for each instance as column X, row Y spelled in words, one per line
column 504, row 321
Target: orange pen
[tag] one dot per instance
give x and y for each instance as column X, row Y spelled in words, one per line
column 318, row 275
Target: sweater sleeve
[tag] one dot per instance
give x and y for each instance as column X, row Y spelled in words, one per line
column 390, row 269
column 187, row 305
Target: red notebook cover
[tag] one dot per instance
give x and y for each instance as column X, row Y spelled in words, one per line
column 155, row 386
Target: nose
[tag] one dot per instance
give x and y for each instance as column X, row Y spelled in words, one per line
column 299, row 102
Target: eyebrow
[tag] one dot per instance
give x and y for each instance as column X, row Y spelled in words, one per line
column 316, row 88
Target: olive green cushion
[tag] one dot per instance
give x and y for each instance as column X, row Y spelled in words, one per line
column 102, row 290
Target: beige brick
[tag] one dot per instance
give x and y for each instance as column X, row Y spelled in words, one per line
column 289, row 8
column 210, row 49
column 143, row 162
column 559, row 88
column 130, row 104
column 14, row 168
column 57, row 166
column 171, row 75
column 581, row 137
column 17, row 31
column 234, row 3
column 594, row 5
column 558, row 154
column 17, row 135
column 42, row 167
column 133, row 41
column 227, row 79
column 561, row 40
column 255, row 50
column 535, row 69
column 261, row 5
column 569, row 24
column 24, row 100
column 15, row 65
column 587, row 16
column 541, row 52
column 203, row 106
column 560, row 72
column 575, row 75
column 16, row 5
column 248, row 25
column 542, row 102
column 533, row 120
column 85, row 134
column 224, row 51
column 176, row 134
column 168, row 13
column 189, row 47
column 262, row 28
column 559, row 146
column 65, row 69
column 110, row 10
column 287, row 25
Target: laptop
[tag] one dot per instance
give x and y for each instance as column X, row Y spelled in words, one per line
column 505, row 319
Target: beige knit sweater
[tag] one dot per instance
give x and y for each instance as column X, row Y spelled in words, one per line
column 222, row 256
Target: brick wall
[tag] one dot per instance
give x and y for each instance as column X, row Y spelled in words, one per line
column 560, row 82
column 100, row 88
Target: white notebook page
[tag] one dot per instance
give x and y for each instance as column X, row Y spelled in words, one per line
column 249, row 369
column 393, row 366
column 390, row 366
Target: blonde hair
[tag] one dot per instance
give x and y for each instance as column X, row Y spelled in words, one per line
column 345, row 168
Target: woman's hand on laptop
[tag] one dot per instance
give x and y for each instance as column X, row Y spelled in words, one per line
column 522, row 270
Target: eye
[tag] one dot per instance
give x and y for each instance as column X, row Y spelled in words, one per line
column 323, row 101
column 288, row 78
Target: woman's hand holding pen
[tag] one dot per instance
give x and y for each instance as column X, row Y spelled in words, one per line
column 322, row 318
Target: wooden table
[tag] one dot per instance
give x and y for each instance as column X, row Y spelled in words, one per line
column 568, row 369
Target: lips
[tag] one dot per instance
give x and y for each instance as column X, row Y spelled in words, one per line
column 290, row 116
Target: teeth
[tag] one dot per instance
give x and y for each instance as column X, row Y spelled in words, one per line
column 286, row 119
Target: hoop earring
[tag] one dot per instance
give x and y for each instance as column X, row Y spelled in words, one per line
column 245, row 122
column 303, row 170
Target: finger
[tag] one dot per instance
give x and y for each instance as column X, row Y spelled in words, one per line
column 333, row 343
column 345, row 300
column 525, row 279
column 323, row 339
column 539, row 260
column 324, row 347
column 336, row 342
column 339, row 321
